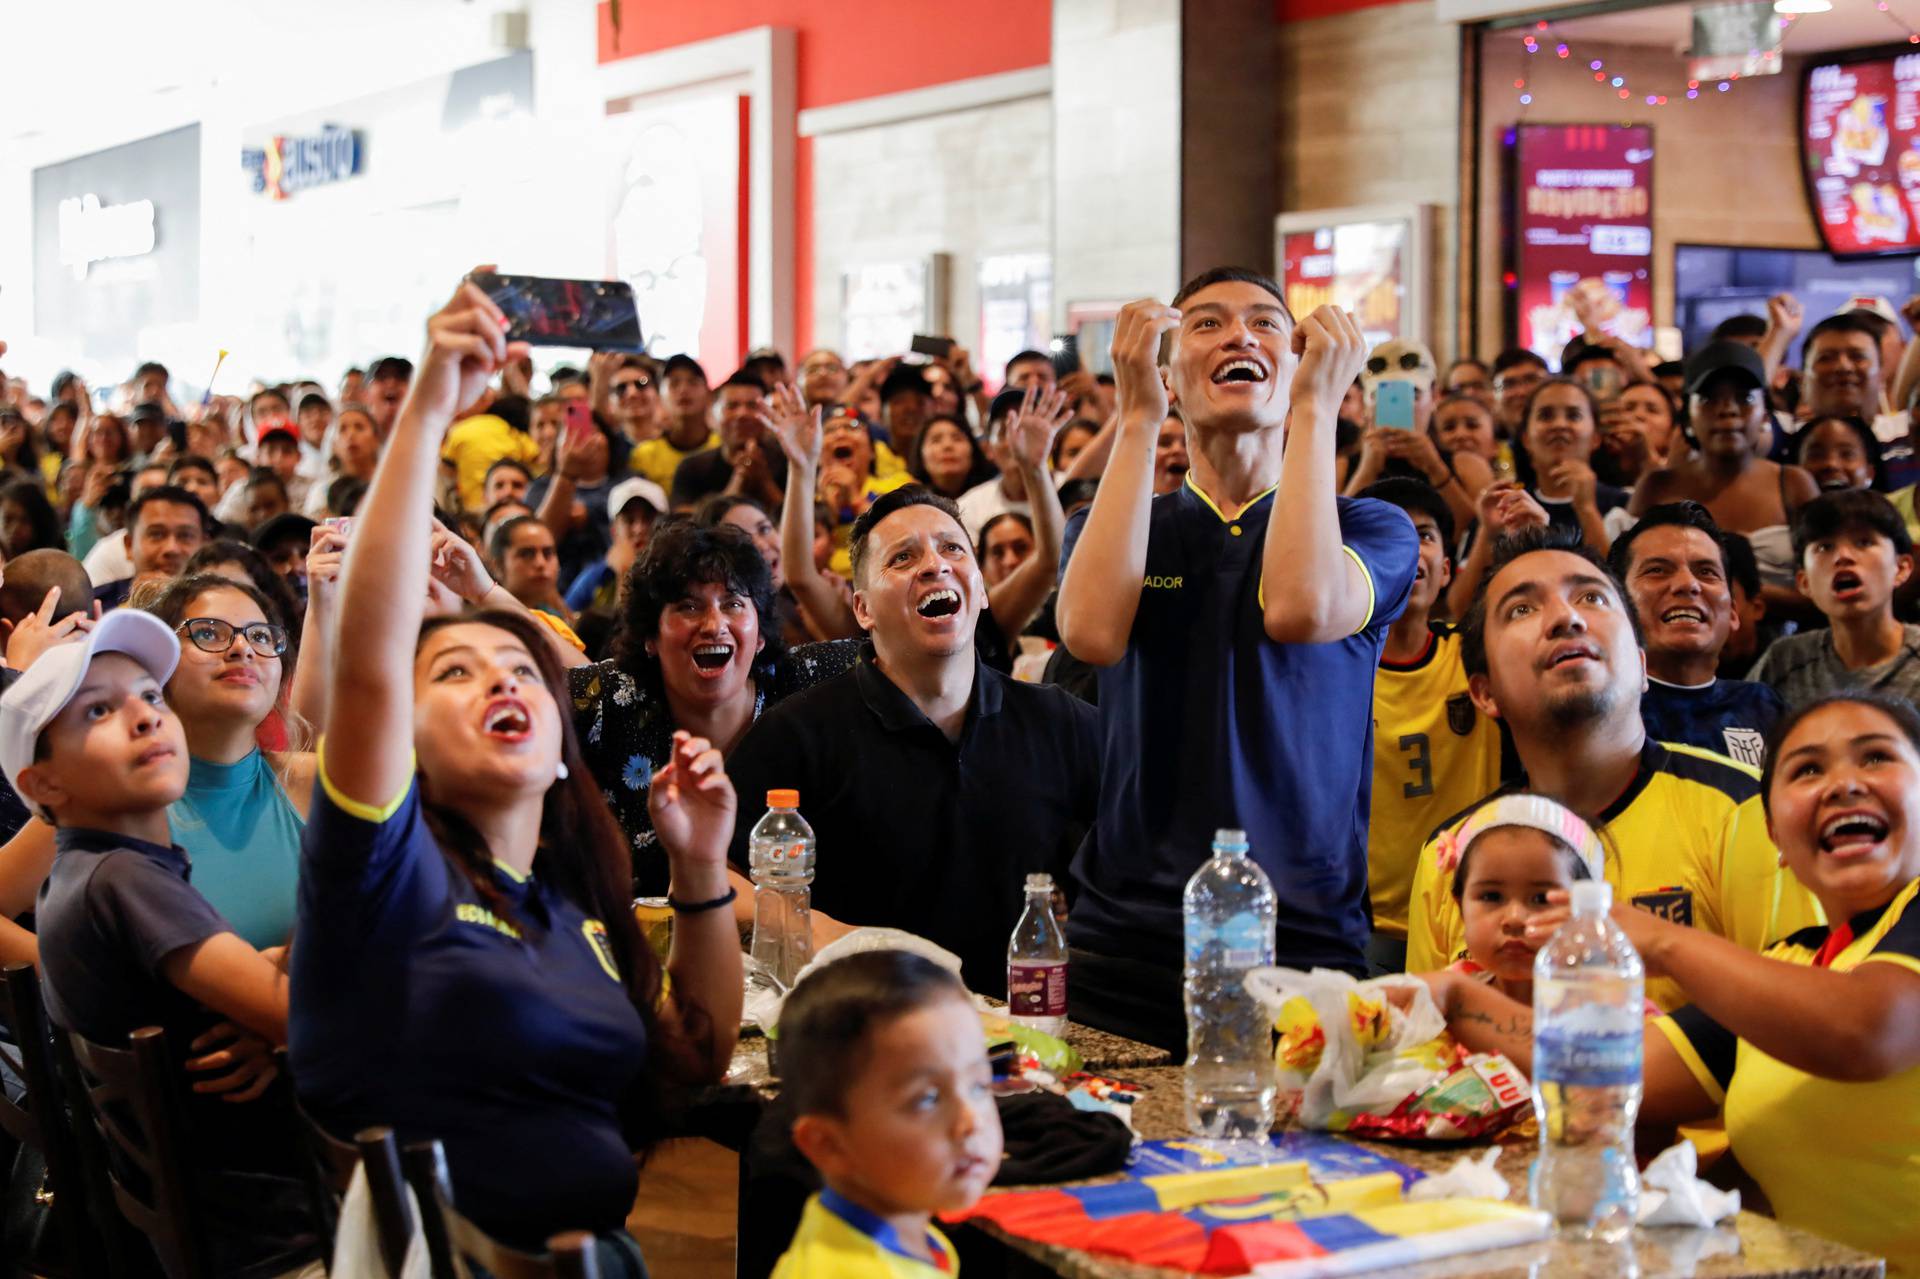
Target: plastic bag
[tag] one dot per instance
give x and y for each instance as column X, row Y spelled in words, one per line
column 1352, row 1060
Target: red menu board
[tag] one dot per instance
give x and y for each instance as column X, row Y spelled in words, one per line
column 1583, row 234
column 1356, row 265
column 1862, row 155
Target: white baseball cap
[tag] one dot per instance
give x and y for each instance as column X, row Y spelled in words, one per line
column 46, row 687
column 1872, row 305
column 637, row 486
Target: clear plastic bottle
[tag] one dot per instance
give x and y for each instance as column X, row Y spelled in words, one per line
column 1588, row 992
column 1037, row 962
column 780, row 857
column 1229, row 907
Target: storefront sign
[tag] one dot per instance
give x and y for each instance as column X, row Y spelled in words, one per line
column 1583, row 234
column 1359, row 266
column 286, row 165
column 116, row 245
column 93, row 232
column 883, row 304
column 1016, row 303
column 1860, row 146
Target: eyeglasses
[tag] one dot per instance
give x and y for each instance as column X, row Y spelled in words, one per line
column 211, row 635
column 632, row 386
column 1409, row 361
column 1519, row 381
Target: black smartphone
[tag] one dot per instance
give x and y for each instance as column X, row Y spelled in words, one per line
column 938, row 348
column 1065, row 349
column 543, row 311
column 177, row 432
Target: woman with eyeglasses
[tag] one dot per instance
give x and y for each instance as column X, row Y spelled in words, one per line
column 244, row 808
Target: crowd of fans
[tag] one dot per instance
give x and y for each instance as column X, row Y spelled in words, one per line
column 433, row 670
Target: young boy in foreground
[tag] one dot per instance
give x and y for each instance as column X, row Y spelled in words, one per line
column 884, row 1059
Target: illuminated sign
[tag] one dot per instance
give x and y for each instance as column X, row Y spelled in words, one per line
column 289, row 164
column 1583, row 223
column 94, row 232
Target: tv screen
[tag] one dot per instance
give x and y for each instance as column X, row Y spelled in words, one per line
column 1714, row 282
column 1860, row 151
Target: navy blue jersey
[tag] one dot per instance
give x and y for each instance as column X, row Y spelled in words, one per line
column 415, row 1005
column 1207, row 723
column 1730, row 717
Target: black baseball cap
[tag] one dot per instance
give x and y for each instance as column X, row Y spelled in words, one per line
column 682, row 361
column 905, row 379
column 149, row 410
column 1718, row 357
column 1008, row 401
column 288, row 526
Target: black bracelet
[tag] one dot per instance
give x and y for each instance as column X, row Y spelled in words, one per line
column 695, row 908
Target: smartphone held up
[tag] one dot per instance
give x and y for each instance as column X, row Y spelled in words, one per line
column 544, row 311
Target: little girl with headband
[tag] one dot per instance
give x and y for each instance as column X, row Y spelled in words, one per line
column 1507, row 857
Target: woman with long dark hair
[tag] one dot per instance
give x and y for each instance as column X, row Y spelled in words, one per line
column 468, row 967
column 27, row 520
column 947, row 459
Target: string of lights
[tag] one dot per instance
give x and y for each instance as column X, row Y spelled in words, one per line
column 1542, row 38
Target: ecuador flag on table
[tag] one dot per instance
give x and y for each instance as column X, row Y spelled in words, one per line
column 1323, row 1207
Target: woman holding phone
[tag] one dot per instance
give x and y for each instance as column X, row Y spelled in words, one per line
column 468, row 966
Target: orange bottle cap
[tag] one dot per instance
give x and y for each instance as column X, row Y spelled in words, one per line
column 783, row 799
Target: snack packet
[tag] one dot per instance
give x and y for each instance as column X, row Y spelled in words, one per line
column 1351, row 1060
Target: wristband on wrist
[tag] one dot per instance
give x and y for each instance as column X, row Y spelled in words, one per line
column 696, row 908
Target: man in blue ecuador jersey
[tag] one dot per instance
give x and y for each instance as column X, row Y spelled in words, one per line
column 1238, row 621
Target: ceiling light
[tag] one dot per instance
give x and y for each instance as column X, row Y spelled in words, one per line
column 1803, row 6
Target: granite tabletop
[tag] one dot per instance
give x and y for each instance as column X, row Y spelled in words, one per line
column 1749, row 1246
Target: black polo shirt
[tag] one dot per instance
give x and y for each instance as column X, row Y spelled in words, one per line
column 708, row 472
column 915, row 831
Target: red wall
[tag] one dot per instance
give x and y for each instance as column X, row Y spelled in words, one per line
column 1300, row 10
column 846, row 51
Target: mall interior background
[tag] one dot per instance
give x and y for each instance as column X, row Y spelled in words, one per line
column 803, row 172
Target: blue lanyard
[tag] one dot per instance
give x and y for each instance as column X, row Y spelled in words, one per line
column 870, row 1225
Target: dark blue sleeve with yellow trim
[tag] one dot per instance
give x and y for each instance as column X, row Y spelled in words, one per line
column 1380, row 536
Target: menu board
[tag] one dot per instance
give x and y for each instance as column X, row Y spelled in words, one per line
column 1360, row 266
column 1862, row 155
column 1583, row 234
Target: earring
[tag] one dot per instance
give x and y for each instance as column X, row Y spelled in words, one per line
column 560, row 774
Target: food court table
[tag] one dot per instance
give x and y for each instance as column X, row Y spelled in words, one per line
column 1749, row 1246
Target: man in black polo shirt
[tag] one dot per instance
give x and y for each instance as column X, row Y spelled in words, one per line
column 933, row 783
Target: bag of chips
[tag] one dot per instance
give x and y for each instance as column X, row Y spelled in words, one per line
column 1353, row 1060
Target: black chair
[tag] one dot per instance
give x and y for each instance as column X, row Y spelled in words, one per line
column 60, row 1248
column 126, row 1106
column 455, row 1244
column 332, row 1163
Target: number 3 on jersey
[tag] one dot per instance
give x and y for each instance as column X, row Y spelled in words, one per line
column 1419, row 763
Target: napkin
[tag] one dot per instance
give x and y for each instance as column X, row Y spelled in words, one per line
column 1672, row 1195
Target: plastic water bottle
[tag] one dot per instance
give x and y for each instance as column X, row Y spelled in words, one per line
column 1037, row 962
column 1588, row 988
column 780, row 858
column 1229, row 906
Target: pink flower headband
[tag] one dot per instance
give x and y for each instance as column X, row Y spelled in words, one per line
column 1534, row 811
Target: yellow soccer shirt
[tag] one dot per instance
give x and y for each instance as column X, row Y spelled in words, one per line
column 477, row 443
column 842, row 561
column 1840, row 1159
column 658, row 459
column 1687, row 841
column 847, row 1242
column 1434, row 753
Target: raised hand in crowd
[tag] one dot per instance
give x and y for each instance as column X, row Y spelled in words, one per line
column 38, row 631
column 1503, row 509
column 823, row 598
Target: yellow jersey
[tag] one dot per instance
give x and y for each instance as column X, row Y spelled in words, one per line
column 1842, row 1159
column 658, row 459
column 475, row 444
column 1434, row 753
column 842, row 561
column 847, row 1242
column 1687, row 841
